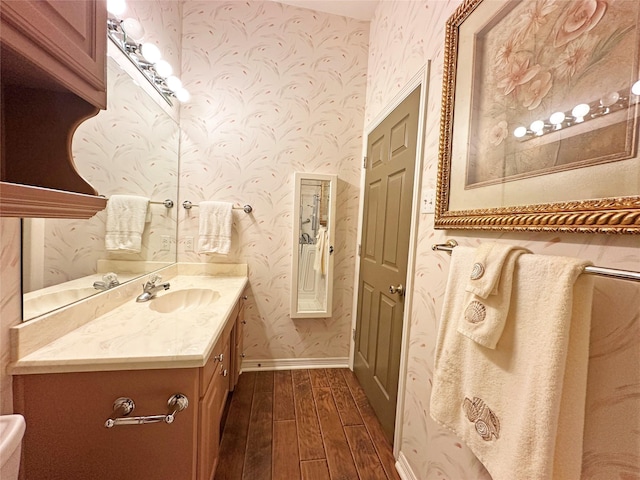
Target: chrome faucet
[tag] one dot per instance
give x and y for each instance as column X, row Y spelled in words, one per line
column 109, row 280
column 150, row 288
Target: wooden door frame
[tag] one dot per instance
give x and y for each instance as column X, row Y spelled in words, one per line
column 420, row 79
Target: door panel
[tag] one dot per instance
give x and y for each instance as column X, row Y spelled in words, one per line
column 388, row 194
column 371, row 221
column 367, row 301
column 394, row 209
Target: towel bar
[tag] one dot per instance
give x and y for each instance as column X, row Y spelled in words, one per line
column 591, row 270
column 168, row 203
column 124, row 406
column 187, row 205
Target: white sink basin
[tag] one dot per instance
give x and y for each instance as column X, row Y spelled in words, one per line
column 45, row 303
column 184, row 300
column 11, row 432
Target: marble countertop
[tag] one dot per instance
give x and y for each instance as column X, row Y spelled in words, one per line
column 133, row 336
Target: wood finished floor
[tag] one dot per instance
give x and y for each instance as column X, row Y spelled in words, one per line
column 303, row 424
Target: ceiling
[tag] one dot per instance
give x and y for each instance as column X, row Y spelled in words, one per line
column 360, row 9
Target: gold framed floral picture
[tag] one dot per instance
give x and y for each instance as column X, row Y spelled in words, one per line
column 540, row 117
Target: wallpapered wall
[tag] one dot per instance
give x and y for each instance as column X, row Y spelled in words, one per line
column 275, row 89
column 404, row 35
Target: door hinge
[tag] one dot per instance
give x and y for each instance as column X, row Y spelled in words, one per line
column 364, row 162
column 359, row 249
column 354, row 335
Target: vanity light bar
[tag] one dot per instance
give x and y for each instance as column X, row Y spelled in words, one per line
column 145, row 58
column 609, row 103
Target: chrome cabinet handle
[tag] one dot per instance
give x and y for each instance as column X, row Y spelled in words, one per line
column 399, row 289
column 224, row 372
column 219, row 357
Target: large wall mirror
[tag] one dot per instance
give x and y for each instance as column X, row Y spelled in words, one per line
column 131, row 148
column 313, row 240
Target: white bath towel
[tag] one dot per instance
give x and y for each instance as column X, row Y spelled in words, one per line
column 126, row 215
column 320, row 260
column 519, row 407
column 215, row 227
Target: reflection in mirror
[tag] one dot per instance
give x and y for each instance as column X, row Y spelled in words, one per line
column 132, row 149
column 313, row 240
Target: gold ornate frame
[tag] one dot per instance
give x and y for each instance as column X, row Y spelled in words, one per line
column 619, row 215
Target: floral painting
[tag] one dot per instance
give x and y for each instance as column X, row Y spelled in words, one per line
column 540, row 58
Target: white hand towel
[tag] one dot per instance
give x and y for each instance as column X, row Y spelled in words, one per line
column 126, row 216
column 215, row 227
column 519, row 407
column 490, row 283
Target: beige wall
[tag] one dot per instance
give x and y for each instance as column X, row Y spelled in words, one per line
column 404, row 35
column 10, row 301
column 275, row 89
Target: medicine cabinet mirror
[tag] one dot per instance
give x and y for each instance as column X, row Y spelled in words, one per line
column 130, row 148
column 313, row 241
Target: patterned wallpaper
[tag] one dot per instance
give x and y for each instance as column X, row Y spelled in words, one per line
column 404, row 35
column 275, row 89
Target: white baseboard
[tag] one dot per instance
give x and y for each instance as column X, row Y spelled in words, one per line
column 404, row 469
column 294, row 363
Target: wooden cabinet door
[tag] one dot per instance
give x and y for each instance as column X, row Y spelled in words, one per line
column 209, row 425
column 65, row 39
column 237, row 347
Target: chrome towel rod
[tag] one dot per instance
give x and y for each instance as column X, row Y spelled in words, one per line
column 167, row 203
column 602, row 271
column 187, row 205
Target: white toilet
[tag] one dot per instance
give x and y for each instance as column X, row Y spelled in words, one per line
column 12, row 429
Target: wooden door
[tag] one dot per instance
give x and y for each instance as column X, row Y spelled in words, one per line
column 391, row 155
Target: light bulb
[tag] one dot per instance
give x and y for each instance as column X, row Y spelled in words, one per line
column 557, row 118
column 537, row 127
column 150, row 52
column 635, row 88
column 183, row 95
column 579, row 111
column 609, row 99
column 520, row 132
column 116, row 7
column 133, row 29
column 163, row 68
column 174, row 83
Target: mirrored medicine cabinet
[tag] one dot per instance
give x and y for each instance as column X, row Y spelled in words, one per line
column 313, row 245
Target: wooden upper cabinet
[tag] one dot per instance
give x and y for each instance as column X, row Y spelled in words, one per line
column 66, row 40
column 53, row 77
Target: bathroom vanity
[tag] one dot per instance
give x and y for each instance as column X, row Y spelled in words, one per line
column 187, row 340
